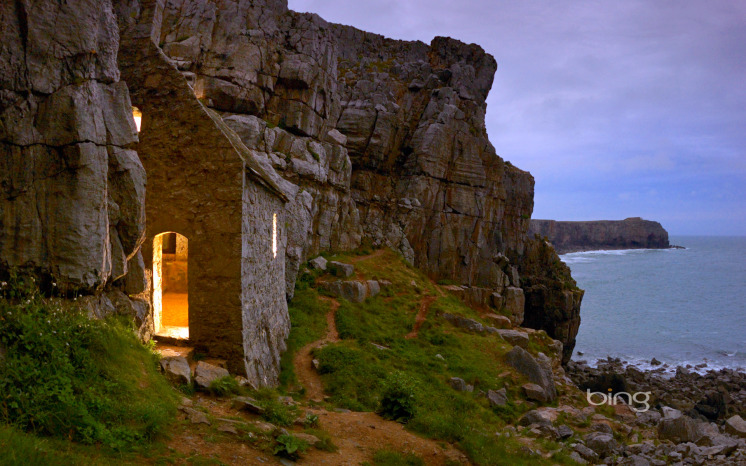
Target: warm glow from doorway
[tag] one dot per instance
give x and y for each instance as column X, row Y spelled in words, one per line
column 170, row 285
column 137, row 115
column 274, row 235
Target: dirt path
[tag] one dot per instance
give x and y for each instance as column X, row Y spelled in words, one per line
column 425, row 304
column 421, row 316
column 303, row 362
column 360, row 435
column 376, row 253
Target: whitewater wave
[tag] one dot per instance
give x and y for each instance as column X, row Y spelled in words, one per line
column 582, row 257
column 668, row 367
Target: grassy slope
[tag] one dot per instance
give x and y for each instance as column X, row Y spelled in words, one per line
column 64, row 377
column 358, row 375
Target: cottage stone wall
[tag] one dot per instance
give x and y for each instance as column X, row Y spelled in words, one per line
column 266, row 322
column 195, row 187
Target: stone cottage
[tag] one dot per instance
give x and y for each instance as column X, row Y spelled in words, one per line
column 214, row 253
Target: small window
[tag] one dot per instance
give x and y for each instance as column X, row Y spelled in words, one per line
column 274, row 235
column 137, row 116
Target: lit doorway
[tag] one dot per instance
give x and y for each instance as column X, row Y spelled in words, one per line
column 170, row 285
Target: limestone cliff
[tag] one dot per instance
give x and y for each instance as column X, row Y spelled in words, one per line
column 385, row 139
column 630, row 233
column 71, row 211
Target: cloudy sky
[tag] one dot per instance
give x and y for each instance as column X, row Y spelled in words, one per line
column 618, row 108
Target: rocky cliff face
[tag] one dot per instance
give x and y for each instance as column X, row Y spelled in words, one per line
column 630, row 233
column 71, row 211
column 385, row 138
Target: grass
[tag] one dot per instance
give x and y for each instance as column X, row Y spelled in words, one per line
column 308, row 324
column 65, row 376
column 407, row 381
column 394, row 458
column 18, row 447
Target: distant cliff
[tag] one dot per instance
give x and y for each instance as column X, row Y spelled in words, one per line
column 630, row 233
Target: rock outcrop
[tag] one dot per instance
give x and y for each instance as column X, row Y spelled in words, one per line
column 630, row 233
column 385, row 140
column 72, row 206
column 72, row 191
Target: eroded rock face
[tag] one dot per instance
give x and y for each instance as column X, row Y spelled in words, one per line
column 630, row 233
column 72, row 205
column 385, row 138
column 552, row 296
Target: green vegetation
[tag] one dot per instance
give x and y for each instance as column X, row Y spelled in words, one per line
column 308, row 324
column 225, row 386
column 18, row 447
column 375, row 368
column 290, row 446
column 65, row 375
column 394, row 458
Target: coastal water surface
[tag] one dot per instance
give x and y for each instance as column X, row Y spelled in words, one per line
column 681, row 306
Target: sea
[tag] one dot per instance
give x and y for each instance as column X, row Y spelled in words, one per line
column 680, row 306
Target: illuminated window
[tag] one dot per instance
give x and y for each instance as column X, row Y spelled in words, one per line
column 274, row 235
column 137, row 115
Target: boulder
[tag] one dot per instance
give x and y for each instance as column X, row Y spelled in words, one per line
column 678, row 429
column 319, row 263
column 736, row 426
column 514, row 337
column 497, row 398
column 540, row 417
column 539, row 374
column 564, row 432
column 499, row 321
column 460, row 384
column 373, row 287
column 249, row 404
column 205, row 374
column 195, row 416
column 177, row 370
column 350, row 290
column 535, row 392
column 586, row 453
column 340, row 269
column 308, row 438
column 601, row 443
column 463, row 322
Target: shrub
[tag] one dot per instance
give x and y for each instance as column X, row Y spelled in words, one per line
column 278, row 413
column 290, row 447
column 225, row 386
column 399, row 397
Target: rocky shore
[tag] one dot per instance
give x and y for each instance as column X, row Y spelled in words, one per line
column 688, row 418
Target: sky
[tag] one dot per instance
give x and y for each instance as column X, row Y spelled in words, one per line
column 633, row 108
